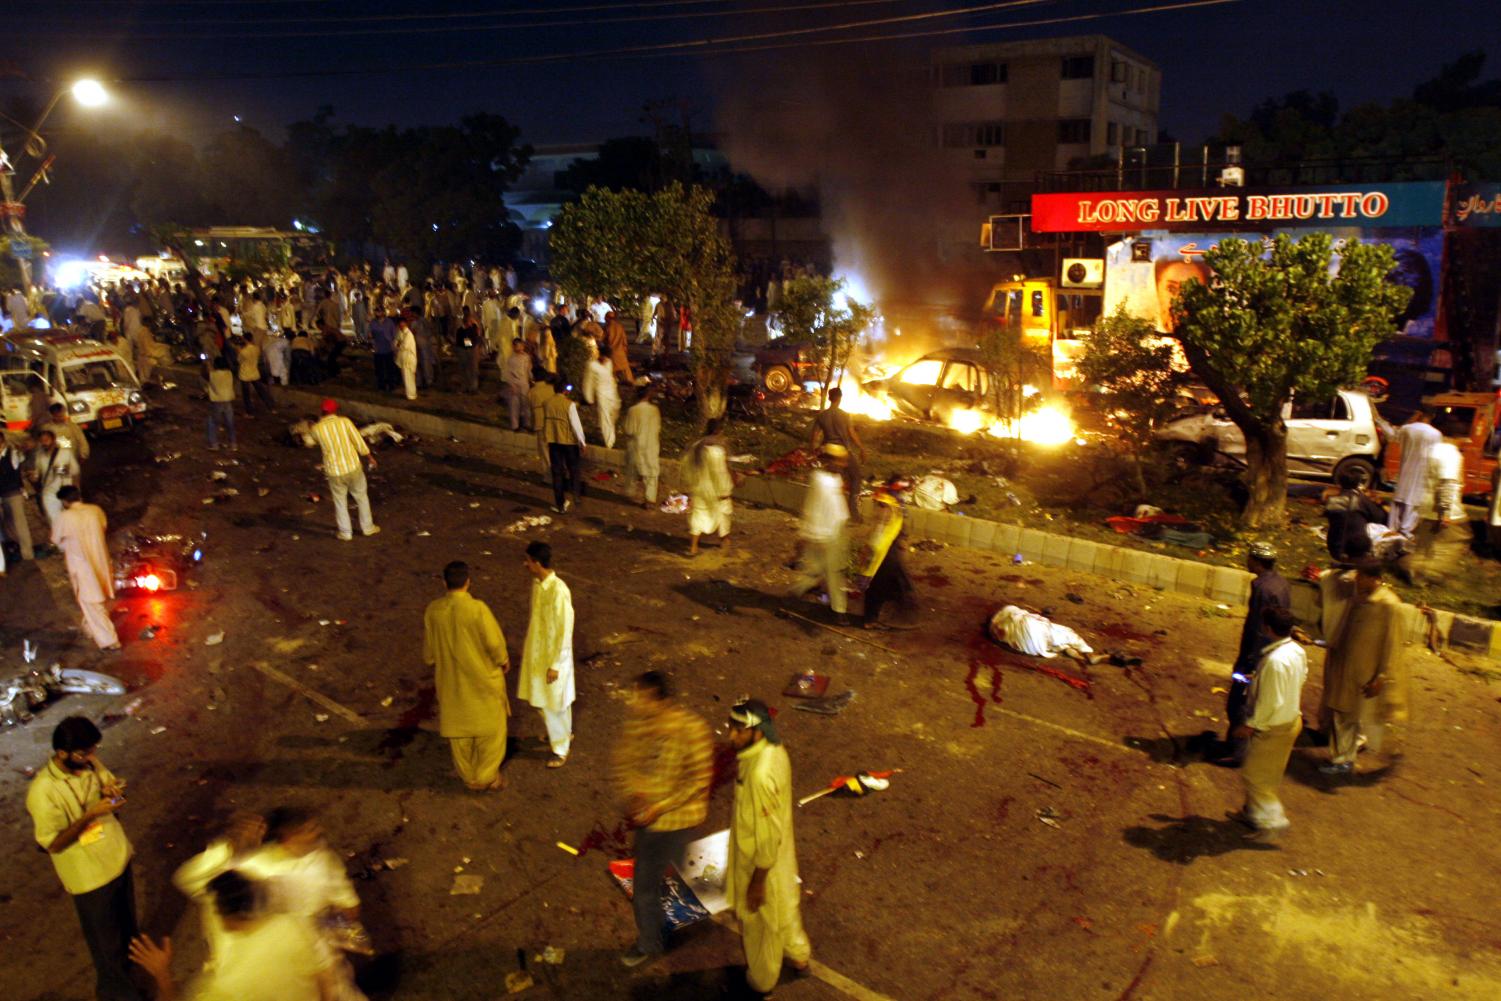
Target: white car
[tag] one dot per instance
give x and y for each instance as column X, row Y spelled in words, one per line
column 1323, row 439
column 92, row 379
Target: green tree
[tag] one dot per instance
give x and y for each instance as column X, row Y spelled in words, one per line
column 1128, row 367
column 1278, row 323
column 626, row 245
column 1013, row 365
column 817, row 310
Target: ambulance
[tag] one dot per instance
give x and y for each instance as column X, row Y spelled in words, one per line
column 90, row 378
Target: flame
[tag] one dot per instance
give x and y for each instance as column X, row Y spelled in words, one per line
column 858, row 401
column 966, row 421
column 1048, row 426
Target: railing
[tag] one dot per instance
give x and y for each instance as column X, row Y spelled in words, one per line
column 1164, row 168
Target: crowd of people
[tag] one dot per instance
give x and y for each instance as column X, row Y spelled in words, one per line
column 280, row 915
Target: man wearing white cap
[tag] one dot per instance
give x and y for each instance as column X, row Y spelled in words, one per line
column 761, row 873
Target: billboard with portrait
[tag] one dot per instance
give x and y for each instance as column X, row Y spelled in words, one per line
column 1144, row 271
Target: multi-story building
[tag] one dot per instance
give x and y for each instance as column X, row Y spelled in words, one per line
column 1014, row 109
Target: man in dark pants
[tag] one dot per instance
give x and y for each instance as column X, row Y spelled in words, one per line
column 383, row 340
column 663, row 766
column 72, row 802
column 564, row 435
column 1268, row 589
column 832, row 426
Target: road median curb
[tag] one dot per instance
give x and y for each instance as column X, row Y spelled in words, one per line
column 1222, row 585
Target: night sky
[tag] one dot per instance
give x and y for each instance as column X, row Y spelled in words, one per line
column 189, row 66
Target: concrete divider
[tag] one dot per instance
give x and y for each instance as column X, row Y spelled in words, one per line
column 1222, row 585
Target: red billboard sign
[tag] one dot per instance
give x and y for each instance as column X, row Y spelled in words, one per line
column 1363, row 206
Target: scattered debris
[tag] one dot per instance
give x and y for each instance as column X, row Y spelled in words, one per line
column 675, row 504
column 167, row 457
column 934, row 493
column 423, row 534
column 1048, row 815
column 806, row 685
column 465, row 885
column 531, row 521
column 262, row 491
column 553, row 956
column 158, row 730
column 218, row 474
column 568, row 848
column 386, row 702
column 394, row 863
column 858, row 784
column 745, row 458
column 518, row 981
column 380, row 433
column 928, row 545
column 1205, row 960
column 321, row 717
column 215, row 639
column 149, row 633
column 830, row 705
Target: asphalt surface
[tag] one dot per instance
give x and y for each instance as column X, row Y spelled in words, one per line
column 1047, row 836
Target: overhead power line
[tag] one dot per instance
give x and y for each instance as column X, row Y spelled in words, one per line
column 191, row 29
column 474, row 15
column 701, row 47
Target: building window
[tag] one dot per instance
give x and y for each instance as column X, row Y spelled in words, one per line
column 971, row 74
column 961, row 135
column 1073, row 131
column 1078, row 67
column 1119, row 70
column 1110, row 134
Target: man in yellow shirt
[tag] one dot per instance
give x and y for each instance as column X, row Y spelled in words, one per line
column 343, row 445
column 464, row 644
column 72, row 802
column 663, row 766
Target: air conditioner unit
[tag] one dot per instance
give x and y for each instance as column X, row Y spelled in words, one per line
column 1083, row 272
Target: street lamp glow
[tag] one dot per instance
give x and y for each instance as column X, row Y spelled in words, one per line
column 90, row 93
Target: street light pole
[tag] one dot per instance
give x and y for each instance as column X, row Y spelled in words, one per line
column 90, row 94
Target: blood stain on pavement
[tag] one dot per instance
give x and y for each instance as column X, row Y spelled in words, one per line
column 408, row 723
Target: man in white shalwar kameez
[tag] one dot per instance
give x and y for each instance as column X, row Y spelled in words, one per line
column 1415, row 440
column 643, row 431
column 599, row 389
column 761, row 868
column 406, row 358
column 1274, row 720
column 706, row 473
column 546, row 681
column 78, row 530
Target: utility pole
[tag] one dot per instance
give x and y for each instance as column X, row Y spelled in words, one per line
column 14, row 213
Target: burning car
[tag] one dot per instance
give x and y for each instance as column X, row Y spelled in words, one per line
column 953, row 387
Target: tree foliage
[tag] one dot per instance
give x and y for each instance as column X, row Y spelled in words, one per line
column 1129, row 368
column 1453, row 120
column 1278, row 322
column 626, row 245
column 1013, row 365
column 817, row 310
column 364, row 188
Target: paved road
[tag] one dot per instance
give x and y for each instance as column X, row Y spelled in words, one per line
column 945, row 886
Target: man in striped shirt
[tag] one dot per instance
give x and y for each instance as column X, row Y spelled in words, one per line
column 342, row 447
column 663, row 766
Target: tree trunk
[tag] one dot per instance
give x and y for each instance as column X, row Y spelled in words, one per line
column 1140, row 475
column 1266, row 476
column 709, row 388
